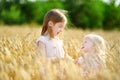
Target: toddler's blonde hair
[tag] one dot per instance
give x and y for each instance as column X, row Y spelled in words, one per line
column 99, row 43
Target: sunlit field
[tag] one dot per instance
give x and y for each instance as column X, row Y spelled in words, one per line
column 18, row 59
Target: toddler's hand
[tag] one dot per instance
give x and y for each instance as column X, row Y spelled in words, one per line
column 75, row 61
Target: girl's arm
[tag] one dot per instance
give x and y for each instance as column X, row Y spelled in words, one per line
column 41, row 49
column 68, row 57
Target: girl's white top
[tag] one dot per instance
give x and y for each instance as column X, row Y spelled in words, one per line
column 54, row 47
column 89, row 63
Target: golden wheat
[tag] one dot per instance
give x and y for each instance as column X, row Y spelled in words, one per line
column 18, row 59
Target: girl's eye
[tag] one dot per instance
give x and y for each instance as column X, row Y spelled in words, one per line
column 60, row 27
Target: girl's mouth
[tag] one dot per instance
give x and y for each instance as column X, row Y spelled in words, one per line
column 57, row 32
column 82, row 47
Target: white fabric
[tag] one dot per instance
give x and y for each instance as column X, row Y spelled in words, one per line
column 54, row 47
column 89, row 63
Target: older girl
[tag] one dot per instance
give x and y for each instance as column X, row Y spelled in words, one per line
column 48, row 43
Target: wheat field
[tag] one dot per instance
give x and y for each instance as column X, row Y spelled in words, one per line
column 18, row 59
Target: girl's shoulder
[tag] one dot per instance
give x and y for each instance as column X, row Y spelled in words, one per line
column 42, row 39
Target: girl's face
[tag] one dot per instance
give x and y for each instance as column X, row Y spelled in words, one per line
column 87, row 45
column 58, row 27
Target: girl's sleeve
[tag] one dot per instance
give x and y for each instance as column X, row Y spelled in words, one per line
column 42, row 39
column 40, row 42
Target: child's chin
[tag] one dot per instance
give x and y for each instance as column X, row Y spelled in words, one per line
column 56, row 34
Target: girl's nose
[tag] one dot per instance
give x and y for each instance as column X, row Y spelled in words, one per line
column 61, row 30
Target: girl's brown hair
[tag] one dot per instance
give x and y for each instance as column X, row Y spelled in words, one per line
column 54, row 15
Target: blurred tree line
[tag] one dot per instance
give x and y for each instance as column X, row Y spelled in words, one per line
column 92, row 14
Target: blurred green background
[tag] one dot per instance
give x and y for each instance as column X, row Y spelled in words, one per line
column 85, row 14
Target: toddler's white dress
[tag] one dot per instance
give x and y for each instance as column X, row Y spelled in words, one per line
column 89, row 63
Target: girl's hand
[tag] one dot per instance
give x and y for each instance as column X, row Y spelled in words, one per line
column 75, row 61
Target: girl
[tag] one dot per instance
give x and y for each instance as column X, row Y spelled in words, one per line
column 93, row 59
column 49, row 44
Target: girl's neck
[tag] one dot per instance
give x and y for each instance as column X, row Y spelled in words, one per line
column 48, row 35
column 55, row 37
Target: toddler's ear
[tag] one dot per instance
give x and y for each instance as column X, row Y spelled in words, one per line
column 50, row 23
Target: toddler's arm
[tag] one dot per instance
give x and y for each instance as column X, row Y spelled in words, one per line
column 79, row 60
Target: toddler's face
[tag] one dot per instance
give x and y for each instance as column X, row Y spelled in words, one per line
column 87, row 45
column 58, row 27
